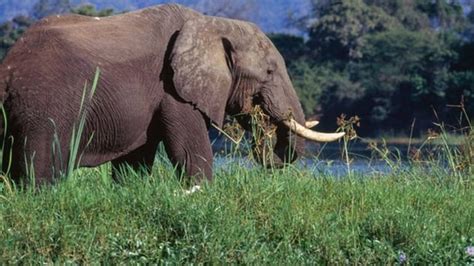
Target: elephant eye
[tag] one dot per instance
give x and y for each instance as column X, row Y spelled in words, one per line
column 269, row 71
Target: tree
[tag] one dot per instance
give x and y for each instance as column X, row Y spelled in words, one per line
column 405, row 74
column 90, row 10
column 388, row 61
column 443, row 14
column 320, row 87
column 338, row 33
column 48, row 7
column 291, row 47
column 10, row 31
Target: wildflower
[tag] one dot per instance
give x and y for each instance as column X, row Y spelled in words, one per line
column 402, row 257
column 470, row 251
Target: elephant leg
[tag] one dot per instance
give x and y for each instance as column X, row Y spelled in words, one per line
column 139, row 160
column 32, row 158
column 186, row 140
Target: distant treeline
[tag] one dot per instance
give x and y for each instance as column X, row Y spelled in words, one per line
column 389, row 62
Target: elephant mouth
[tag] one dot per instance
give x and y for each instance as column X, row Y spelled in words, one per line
column 289, row 143
column 304, row 131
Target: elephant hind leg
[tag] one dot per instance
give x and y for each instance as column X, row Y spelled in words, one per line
column 139, row 160
column 32, row 160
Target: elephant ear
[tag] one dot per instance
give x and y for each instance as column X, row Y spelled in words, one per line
column 202, row 75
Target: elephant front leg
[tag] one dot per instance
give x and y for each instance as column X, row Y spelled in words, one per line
column 187, row 141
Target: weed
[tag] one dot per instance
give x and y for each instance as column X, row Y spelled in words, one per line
column 348, row 126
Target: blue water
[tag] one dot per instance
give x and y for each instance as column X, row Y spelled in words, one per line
column 327, row 159
column 336, row 168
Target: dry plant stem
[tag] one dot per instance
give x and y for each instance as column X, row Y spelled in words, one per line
column 411, row 136
column 348, row 128
column 263, row 132
column 346, row 152
column 236, row 142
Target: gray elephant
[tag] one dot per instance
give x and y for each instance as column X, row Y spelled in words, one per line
column 167, row 74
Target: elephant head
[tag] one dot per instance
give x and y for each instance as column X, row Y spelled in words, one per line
column 228, row 66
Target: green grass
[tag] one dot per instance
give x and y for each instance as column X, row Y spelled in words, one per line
column 245, row 216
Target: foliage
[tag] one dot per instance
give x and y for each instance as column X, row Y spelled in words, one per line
column 419, row 14
column 318, row 86
column 390, row 62
column 402, row 64
column 339, row 32
column 291, row 47
column 394, row 61
column 49, row 7
column 90, row 10
column 11, row 31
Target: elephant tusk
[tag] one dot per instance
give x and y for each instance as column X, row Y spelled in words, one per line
column 311, row 124
column 309, row 134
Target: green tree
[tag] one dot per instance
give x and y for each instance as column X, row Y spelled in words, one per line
column 291, row 47
column 405, row 12
column 405, row 73
column 469, row 26
column 49, row 7
column 442, row 13
column 388, row 61
column 319, row 87
column 338, row 33
column 90, row 10
column 11, row 31
column 423, row 14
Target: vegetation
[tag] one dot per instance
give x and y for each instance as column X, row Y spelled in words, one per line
column 245, row 216
column 386, row 62
column 11, row 31
column 390, row 62
column 294, row 215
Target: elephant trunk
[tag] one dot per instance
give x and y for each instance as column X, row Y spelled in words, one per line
column 282, row 104
column 289, row 146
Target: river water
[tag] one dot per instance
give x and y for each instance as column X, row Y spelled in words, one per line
column 328, row 159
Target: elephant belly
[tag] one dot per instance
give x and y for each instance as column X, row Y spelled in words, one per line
column 116, row 133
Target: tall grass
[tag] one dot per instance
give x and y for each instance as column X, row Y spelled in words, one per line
column 77, row 131
column 252, row 215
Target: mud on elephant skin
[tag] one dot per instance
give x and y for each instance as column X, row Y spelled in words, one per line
column 167, row 74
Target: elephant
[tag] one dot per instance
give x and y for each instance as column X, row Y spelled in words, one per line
column 168, row 73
